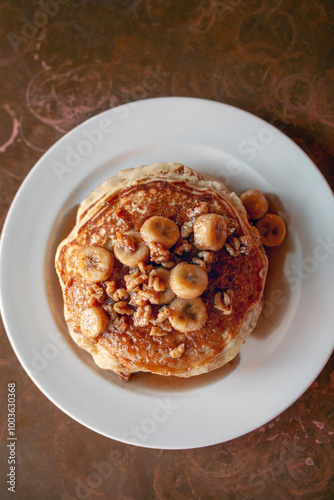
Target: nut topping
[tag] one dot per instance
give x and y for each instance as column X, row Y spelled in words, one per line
column 142, row 316
column 224, row 303
column 177, row 352
column 122, row 307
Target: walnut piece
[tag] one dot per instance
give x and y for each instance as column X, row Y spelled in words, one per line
column 120, row 294
column 224, row 303
column 126, row 241
column 142, row 315
column 177, row 352
column 110, row 288
column 187, row 229
column 122, row 307
column 184, row 246
column 155, row 282
column 206, row 256
column 168, row 264
column 156, row 331
column 132, row 281
column 158, row 253
column 199, row 262
column 141, row 297
column 236, row 246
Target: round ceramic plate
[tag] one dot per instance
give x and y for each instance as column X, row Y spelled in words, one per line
column 295, row 336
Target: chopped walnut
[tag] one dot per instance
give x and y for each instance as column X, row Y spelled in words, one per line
column 197, row 210
column 184, row 246
column 158, row 253
column 126, row 241
column 177, row 352
column 142, row 315
column 134, row 280
column 245, row 244
column 141, row 297
column 206, row 256
column 233, row 247
column 187, row 229
column 155, row 282
column 110, row 288
column 168, row 264
column 94, row 293
column 199, row 262
column 143, row 268
column 156, row 331
column 109, row 308
column 163, row 314
column 162, row 319
column 224, row 303
column 120, row 294
column 231, row 226
column 166, row 326
column 237, row 246
column 122, row 307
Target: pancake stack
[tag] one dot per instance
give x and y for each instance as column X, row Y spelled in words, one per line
column 162, row 273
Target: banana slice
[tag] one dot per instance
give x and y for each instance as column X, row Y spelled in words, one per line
column 95, row 264
column 210, row 232
column 160, row 230
column 188, row 280
column 167, row 295
column 93, row 321
column 272, row 230
column 255, row 203
column 187, row 315
column 131, row 258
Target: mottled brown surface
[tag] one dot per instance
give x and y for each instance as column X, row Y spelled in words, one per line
column 270, row 57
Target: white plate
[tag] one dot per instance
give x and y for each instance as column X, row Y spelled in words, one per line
column 275, row 366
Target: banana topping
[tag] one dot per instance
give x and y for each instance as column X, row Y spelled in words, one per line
column 167, row 295
column 93, row 322
column 210, row 232
column 272, row 230
column 131, row 255
column 255, row 203
column 160, row 230
column 95, row 264
column 188, row 280
column 187, row 315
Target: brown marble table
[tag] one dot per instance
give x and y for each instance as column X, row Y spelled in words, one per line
column 63, row 61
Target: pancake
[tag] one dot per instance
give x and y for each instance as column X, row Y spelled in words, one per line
column 162, row 273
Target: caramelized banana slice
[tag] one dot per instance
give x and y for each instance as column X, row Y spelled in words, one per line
column 93, row 321
column 167, row 295
column 210, row 232
column 131, row 258
column 160, row 230
column 188, row 280
column 187, row 315
column 272, row 230
column 255, row 203
column 95, row 264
